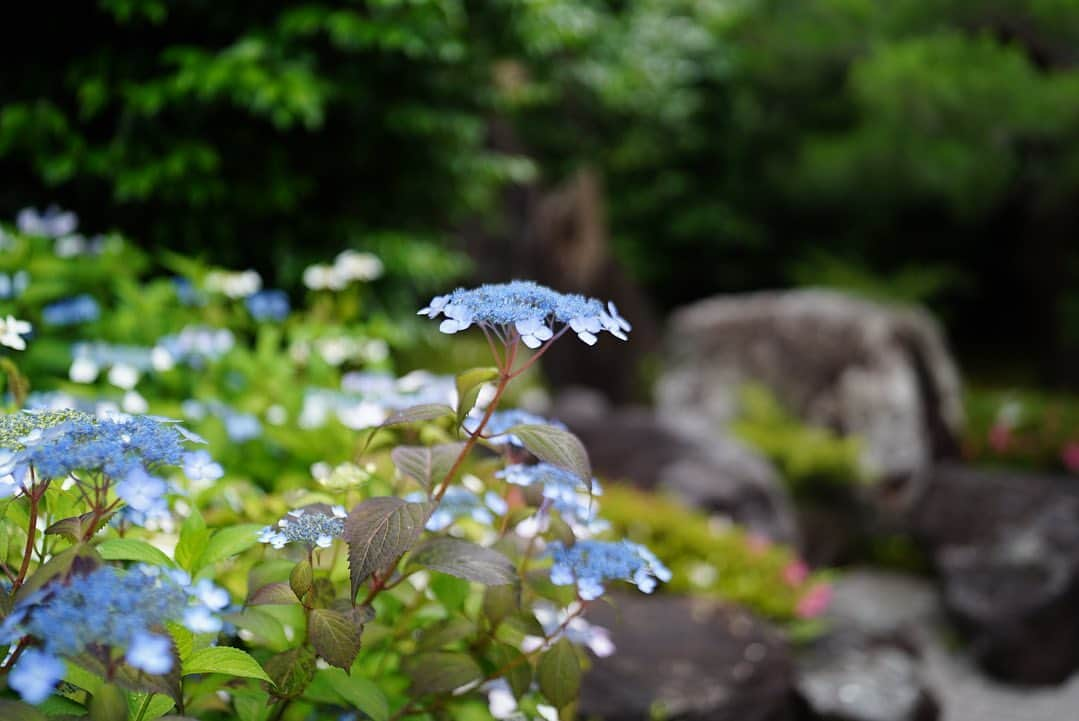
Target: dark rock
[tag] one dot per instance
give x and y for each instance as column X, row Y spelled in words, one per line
column 849, row 676
column 687, row 659
column 882, row 603
column 1006, row 547
column 709, row 471
column 881, row 373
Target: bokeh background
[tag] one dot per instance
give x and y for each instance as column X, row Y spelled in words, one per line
column 915, row 154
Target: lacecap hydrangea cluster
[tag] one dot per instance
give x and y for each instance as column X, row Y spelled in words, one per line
column 312, row 527
column 126, row 449
column 532, row 311
column 562, row 490
column 104, row 610
column 589, row 564
column 502, row 421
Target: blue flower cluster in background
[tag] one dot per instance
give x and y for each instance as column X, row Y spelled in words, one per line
column 72, row 311
column 103, row 610
column 13, row 285
column 268, row 305
column 589, row 564
column 502, row 421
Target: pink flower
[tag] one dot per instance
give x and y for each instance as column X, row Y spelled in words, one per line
column 795, row 573
column 1000, row 438
column 1070, row 455
column 814, row 602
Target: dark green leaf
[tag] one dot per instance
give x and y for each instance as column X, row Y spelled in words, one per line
column 426, row 464
column 465, row 560
column 273, row 594
column 336, row 635
column 59, row 565
column 511, row 665
column 378, row 531
column 469, row 384
column 559, row 673
column 360, row 692
column 557, row 447
column 18, row 711
column 291, row 671
column 441, row 672
column 500, row 601
column 444, row 633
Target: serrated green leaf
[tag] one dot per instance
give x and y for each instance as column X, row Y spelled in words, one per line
column 228, row 542
column 426, row 464
column 336, row 635
column 132, row 549
column 441, row 672
column 557, row 447
column 559, row 673
column 108, row 704
column 465, row 560
column 226, row 660
column 378, row 531
column 291, row 671
column 469, row 384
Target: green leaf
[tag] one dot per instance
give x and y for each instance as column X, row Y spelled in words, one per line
column 557, row 447
column 193, row 538
column 301, row 578
column 336, row 634
column 19, row 711
column 441, row 672
column 159, row 705
column 268, row 630
column 444, row 632
column 59, row 565
column 132, row 549
column 108, row 704
column 291, row 671
column 228, row 542
column 79, row 527
column 512, row 665
column 501, row 601
column 559, row 673
column 465, row 560
column 451, row 592
column 226, row 660
column 378, row 531
column 360, row 692
column 469, row 384
column 130, row 678
column 414, row 414
column 426, row 464
column 273, row 594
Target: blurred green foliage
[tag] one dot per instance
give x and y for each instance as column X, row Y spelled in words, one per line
column 809, row 458
column 919, row 149
column 716, row 559
column 1026, row 429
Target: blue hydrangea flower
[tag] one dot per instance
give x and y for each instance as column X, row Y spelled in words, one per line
column 532, row 311
column 14, row 285
column 36, row 675
column 110, row 608
column 200, row 466
column 268, row 305
column 53, row 223
column 459, row 502
column 141, row 491
column 589, row 564
column 502, row 421
column 313, row 526
column 71, row 311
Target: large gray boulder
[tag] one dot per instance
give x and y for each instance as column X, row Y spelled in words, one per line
column 684, row 659
column 880, row 372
